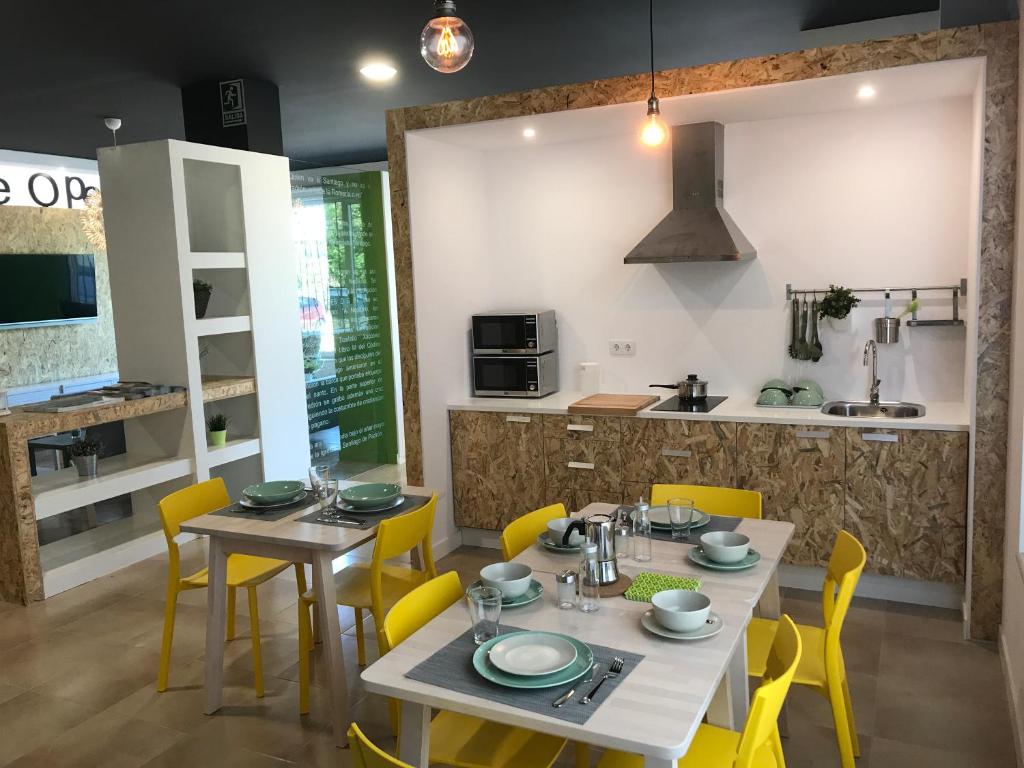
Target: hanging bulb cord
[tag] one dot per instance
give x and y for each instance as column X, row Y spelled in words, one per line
column 650, row 18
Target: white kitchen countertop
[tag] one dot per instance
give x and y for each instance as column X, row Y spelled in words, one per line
column 947, row 417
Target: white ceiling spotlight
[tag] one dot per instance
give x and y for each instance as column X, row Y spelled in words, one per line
column 113, row 125
column 866, row 92
column 378, row 71
column 529, row 133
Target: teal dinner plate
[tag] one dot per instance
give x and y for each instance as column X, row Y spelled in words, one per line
column 273, row 492
column 584, row 661
column 377, row 495
column 545, row 541
column 659, row 518
column 696, row 554
column 532, row 593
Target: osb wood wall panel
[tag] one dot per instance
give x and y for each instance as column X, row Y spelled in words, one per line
column 801, row 480
column 38, row 355
column 996, row 42
column 905, row 501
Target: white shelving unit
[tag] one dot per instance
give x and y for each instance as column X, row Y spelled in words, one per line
column 174, row 212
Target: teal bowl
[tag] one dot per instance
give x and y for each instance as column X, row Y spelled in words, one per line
column 807, row 398
column 273, row 492
column 810, row 385
column 772, row 396
column 370, row 495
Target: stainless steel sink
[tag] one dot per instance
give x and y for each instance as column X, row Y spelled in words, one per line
column 862, row 410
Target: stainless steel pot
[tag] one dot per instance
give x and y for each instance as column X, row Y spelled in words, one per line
column 691, row 389
column 599, row 529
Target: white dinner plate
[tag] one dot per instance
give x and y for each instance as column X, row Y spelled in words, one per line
column 532, row 653
column 712, row 627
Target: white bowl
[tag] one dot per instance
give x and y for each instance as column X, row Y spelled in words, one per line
column 725, row 546
column 513, row 579
column 680, row 609
column 556, row 530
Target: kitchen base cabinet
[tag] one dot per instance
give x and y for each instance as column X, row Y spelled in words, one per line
column 497, row 467
column 906, row 500
column 678, row 451
column 799, row 472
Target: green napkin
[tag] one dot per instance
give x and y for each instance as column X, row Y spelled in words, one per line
column 646, row 584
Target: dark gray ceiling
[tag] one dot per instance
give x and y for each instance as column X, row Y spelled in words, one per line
column 66, row 64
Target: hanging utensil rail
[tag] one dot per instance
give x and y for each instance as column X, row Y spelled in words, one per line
column 957, row 292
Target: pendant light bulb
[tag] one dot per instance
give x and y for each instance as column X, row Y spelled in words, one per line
column 446, row 43
column 653, row 133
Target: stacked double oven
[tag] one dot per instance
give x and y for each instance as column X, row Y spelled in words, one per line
column 515, row 354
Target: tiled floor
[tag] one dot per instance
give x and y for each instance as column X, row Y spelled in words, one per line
column 77, row 684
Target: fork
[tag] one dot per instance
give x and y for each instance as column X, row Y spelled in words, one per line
column 613, row 671
column 561, row 700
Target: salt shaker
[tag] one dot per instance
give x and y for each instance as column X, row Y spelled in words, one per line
column 641, row 532
column 565, row 589
column 590, row 579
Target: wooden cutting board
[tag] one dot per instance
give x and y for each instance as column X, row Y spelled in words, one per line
column 613, row 405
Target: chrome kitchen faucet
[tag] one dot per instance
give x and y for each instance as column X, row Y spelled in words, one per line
column 875, row 382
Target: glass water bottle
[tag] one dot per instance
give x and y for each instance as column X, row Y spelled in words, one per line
column 641, row 532
column 589, row 579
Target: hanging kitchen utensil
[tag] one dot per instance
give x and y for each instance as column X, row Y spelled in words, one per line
column 795, row 318
column 803, row 349
column 815, row 347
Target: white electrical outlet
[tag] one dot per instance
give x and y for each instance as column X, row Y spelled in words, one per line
column 622, row 347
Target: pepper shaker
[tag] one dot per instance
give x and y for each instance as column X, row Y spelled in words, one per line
column 565, row 589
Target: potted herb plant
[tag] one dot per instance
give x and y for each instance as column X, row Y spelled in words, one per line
column 836, row 306
column 218, row 426
column 84, row 452
column 201, row 291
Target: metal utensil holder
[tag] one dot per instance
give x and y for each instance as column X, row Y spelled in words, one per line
column 887, row 330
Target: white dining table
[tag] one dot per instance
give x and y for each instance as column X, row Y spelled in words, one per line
column 297, row 542
column 655, row 710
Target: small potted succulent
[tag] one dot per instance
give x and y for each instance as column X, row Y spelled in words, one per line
column 836, row 306
column 218, row 426
column 84, row 452
column 201, row 291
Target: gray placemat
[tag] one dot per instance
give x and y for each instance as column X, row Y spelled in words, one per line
column 718, row 523
column 452, row 668
column 366, row 521
column 268, row 515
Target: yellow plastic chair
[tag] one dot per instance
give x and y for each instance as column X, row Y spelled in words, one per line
column 715, row 501
column 758, row 745
column 456, row 739
column 367, row 754
column 822, row 666
column 243, row 571
column 375, row 586
column 524, row 530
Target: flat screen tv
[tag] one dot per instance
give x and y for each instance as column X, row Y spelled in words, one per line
column 47, row 288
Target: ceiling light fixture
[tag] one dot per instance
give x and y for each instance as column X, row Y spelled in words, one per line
column 378, row 71
column 653, row 133
column 529, row 133
column 866, row 92
column 446, row 43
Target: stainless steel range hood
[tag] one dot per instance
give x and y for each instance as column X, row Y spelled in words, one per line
column 697, row 228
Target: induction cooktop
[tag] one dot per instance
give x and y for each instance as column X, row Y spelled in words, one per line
column 676, row 405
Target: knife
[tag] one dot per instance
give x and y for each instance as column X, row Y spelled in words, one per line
column 561, row 700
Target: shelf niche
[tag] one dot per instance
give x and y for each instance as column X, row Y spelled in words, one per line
column 213, row 198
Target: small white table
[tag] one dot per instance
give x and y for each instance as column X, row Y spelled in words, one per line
column 657, row 709
column 284, row 539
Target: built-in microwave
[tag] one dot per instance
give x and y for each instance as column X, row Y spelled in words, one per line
column 515, row 375
column 515, row 333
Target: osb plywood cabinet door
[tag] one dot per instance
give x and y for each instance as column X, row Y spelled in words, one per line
column 581, row 453
column 678, row 451
column 799, row 472
column 906, row 500
column 497, row 467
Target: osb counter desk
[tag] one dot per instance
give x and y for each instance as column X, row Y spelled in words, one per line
column 21, row 576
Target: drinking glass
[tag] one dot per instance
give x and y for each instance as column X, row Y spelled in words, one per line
column 318, row 475
column 328, row 494
column 680, row 518
column 484, row 605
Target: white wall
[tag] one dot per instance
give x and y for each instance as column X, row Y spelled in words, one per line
column 448, row 213
column 862, row 197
